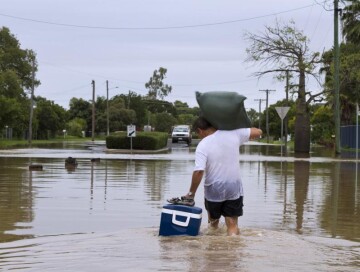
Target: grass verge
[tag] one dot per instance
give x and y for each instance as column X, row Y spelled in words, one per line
column 5, row 144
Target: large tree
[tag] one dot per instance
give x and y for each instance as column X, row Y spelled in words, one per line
column 80, row 108
column 164, row 122
column 159, row 106
column 20, row 61
column 16, row 68
column 156, row 86
column 120, row 116
column 50, row 118
column 134, row 101
column 284, row 49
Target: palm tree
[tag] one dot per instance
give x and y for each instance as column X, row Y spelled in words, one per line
column 351, row 21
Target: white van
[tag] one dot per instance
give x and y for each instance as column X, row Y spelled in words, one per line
column 181, row 133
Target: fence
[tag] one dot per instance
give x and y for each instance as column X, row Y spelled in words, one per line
column 348, row 136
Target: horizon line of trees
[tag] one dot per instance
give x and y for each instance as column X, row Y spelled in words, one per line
column 281, row 50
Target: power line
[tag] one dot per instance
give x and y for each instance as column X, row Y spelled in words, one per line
column 143, row 82
column 216, row 83
column 323, row 4
column 157, row 28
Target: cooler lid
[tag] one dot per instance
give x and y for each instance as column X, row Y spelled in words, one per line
column 183, row 208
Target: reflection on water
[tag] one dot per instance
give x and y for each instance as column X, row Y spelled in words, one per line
column 301, row 188
column 107, row 211
column 16, row 197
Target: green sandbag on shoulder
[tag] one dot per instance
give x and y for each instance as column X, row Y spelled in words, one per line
column 224, row 110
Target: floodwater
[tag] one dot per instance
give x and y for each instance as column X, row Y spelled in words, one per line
column 300, row 214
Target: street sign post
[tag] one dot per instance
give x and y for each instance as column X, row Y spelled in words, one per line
column 357, row 131
column 131, row 132
column 282, row 111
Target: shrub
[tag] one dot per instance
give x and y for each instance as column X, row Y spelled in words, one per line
column 142, row 141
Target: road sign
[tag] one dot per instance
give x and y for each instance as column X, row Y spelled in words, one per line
column 282, row 111
column 131, row 131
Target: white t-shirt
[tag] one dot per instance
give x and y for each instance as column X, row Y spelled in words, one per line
column 218, row 155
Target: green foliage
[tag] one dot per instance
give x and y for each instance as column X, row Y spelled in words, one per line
column 323, row 126
column 14, row 114
column 164, row 122
column 9, row 111
column 178, row 104
column 186, row 119
column 253, row 116
column 75, row 127
column 123, row 110
column 275, row 120
column 13, row 58
column 135, row 102
column 80, row 108
column 50, row 118
column 158, row 106
column 9, row 85
column 351, row 22
column 16, row 67
column 183, row 108
column 156, row 86
column 121, row 118
column 142, row 141
column 349, row 80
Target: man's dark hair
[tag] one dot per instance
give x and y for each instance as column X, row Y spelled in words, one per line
column 201, row 123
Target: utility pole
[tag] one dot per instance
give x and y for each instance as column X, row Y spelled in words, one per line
column 336, row 77
column 267, row 112
column 357, row 132
column 287, row 104
column 32, row 101
column 107, row 108
column 129, row 96
column 259, row 107
column 93, row 111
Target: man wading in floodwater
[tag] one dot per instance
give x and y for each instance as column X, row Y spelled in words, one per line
column 217, row 155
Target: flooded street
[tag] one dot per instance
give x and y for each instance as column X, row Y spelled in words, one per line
column 300, row 214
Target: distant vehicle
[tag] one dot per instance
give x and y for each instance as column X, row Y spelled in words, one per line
column 181, row 133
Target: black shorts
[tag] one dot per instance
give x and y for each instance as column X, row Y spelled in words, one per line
column 227, row 208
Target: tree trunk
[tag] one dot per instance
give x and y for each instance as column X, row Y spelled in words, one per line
column 302, row 122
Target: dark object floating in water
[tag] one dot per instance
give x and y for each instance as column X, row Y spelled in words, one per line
column 70, row 161
column 35, row 167
column 95, row 159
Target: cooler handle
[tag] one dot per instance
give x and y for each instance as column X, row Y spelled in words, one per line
column 180, row 223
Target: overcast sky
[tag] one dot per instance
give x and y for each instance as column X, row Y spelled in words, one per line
column 200, row 42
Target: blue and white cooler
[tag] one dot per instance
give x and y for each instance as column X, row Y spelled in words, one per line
column 180, row 220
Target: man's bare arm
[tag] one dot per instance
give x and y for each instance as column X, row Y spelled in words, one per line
column 195, row 182
column 255, row 133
